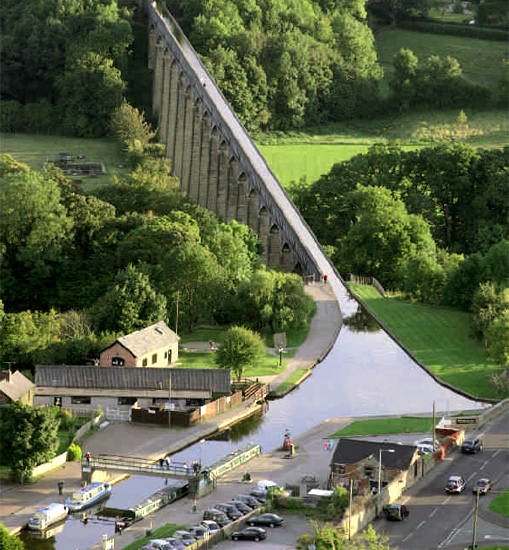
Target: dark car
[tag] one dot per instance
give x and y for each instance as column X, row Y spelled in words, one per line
column 241, row 506
column 259, row 495
column 230, row 510
column 250, row 500
column 250, row 533
column 482, row 486
column 218, row 516
column 472, row 446
column 396, row 512
column 270, row 520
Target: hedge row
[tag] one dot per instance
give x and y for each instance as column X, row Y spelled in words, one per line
column 470, row 31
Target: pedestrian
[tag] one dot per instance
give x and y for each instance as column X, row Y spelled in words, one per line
column 325, row 278
column 167, row 462
column 88, row 456
column 161, row 463
column 60, row 486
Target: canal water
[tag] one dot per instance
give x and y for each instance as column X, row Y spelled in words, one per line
column 365, row 373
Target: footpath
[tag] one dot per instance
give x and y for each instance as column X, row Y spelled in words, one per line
column 18, row 503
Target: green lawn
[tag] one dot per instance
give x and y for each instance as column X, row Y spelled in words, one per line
column 268, row 366
column 500, row 504
column 438, row 337
column 481, row 60
column 159, row 533
column 289, row 383
column 35, row 149
column 385, row 426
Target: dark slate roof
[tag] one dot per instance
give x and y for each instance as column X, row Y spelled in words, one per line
column 351, row 451
column 132, row 378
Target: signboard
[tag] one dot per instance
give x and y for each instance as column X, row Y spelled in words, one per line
column 279, row 340
column 466, row 420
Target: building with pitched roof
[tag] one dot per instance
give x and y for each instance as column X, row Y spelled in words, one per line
column 359, row 460
column 88, row 388
column 16, row 387
column 153, row 346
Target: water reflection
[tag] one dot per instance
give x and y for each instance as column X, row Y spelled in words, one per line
column 361, row 321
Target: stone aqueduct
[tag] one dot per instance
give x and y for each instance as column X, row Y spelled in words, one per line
column 213, row 156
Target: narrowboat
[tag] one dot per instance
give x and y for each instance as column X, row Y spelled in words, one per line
column 46, row 516
column 88, row 495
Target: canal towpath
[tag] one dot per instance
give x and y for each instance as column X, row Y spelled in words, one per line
column 18, row 503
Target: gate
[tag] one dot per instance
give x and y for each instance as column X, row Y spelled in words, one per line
column 117, row 414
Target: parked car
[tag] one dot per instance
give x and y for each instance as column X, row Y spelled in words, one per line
column 250, row 533
column 157, row 544
column 482, row 486
column 250, row 500
column 175, row 544
column 216, row 515
column 259, row 494
column 472, row 446
column 265, row 484
column 212, row 526
column 199, row 532
column 185, row 537
column 241, row 507
column 396, row 512
column 455, row 484
column 426, row 445
column 270, row 520
column 230, row 510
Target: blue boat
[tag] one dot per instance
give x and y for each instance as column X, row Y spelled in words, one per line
column 91, row 494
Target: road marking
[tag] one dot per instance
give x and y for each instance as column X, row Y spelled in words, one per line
column 454, row 532
column 484, row 464
column 471, row 476
column 446, row 500
column 496, row 453
column 433, row 512
column 407, row 537
column 420, row 524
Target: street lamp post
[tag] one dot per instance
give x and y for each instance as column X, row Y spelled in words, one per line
column 474, row 527
column 380, row 451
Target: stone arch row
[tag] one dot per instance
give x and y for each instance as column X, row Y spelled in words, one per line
column 209, row 170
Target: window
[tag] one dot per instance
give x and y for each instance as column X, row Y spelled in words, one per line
column 117, row 362
column 341, row 469
column 80, row 400
column 165, row 354
column 144, row 362
column 127, row 400
column 368, row 472
column 154, row 358
column 57, row 401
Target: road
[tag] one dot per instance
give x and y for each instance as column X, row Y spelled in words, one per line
column 438, row 520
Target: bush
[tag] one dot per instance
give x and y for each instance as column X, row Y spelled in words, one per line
column 470, row 31
column 11, row 116
column 74, row 453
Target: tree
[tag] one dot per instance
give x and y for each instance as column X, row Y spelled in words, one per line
column 242, row 348
column 487, row 305
column 131, row 304
column 331, row 537
column 8, row 541
column 497, row 339
column 28, row 437
column 129, row 126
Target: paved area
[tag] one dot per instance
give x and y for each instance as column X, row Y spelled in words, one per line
column 438, row 520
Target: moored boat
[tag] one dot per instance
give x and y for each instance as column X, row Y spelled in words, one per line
column 88, row 495
column 48, row 515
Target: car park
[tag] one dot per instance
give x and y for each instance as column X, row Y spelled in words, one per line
column 259, row 494
column 426, row 446
column 185, row 537
column 230, row 510
column 269, row 520
column 455, row 484
column 250, row 533
column 199, row 532
column 250, row 500
column 482, row 486
column 212, row 526
column 175, row 544
column 472, row 446
column 216, row 515
column 241, row 507
column 157, row 544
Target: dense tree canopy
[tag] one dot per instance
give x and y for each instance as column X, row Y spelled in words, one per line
column 241, row 348
column 283, row 63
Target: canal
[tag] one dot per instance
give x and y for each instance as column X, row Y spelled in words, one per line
column 365, row 373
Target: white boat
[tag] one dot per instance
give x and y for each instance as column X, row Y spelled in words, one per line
column 44, row 517
column 88, row 495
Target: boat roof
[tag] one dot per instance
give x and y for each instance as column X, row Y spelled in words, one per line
column 90, row 486
column 51, row 506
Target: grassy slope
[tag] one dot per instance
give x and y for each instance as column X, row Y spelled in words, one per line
column 438, row 337
column 35, row 149
column 480, row 60
column 500, row 504
column 289, row 383
column 384, row 426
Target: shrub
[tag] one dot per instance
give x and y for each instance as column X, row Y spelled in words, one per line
column 11, row 116
column 470, row 31
column 74, row 453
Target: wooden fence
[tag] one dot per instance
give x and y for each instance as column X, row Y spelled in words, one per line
column 361, row 280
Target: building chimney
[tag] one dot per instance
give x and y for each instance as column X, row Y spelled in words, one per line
column 6, row 375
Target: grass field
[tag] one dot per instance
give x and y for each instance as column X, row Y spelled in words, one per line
column 438, row 337
column 500, row 504
column 312, row 152
column 35, row 149
column 481, row 60
column 385, row 426
column 289, row 383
